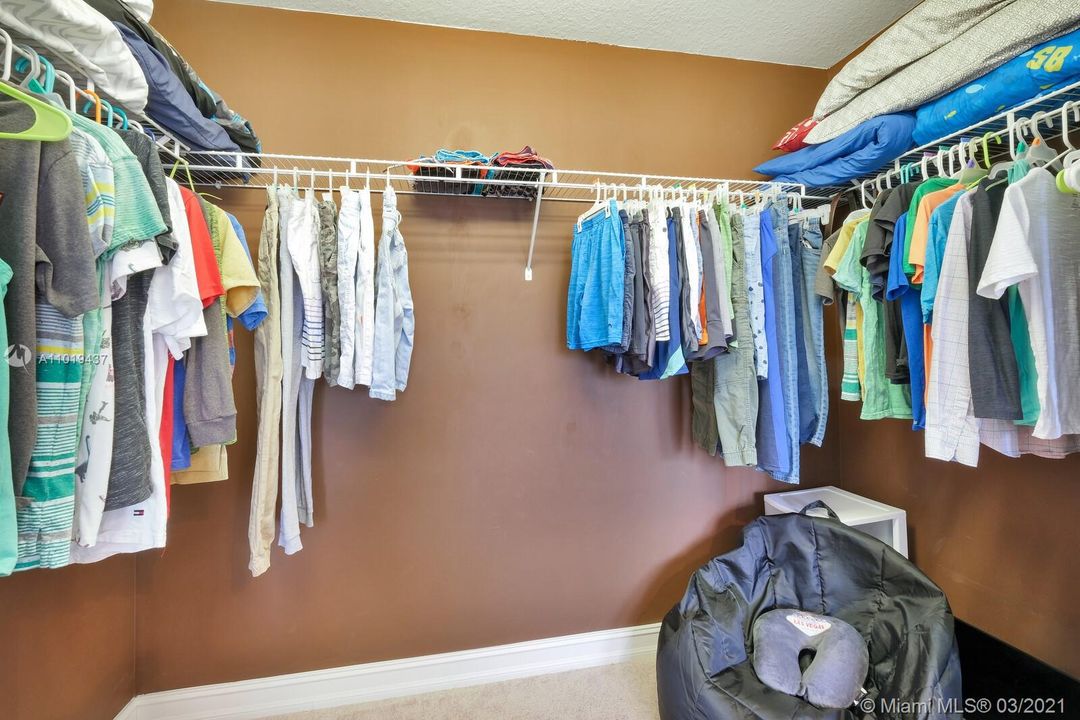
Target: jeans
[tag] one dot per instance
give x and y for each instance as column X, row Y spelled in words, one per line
column 787, row 335
column 773, row 451
column 394, row 321
column 813, row 335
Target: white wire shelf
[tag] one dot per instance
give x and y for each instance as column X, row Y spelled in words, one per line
column 423, row 177
column 933, row 156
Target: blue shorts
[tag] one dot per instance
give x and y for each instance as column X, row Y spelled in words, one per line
column 594, row 306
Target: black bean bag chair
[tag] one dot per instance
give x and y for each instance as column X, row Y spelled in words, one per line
column 817, row 564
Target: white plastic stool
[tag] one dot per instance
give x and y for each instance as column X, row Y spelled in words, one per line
column 885, row 522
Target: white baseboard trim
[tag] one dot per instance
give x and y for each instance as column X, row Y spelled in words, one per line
column 318, row 689
column 128, row 712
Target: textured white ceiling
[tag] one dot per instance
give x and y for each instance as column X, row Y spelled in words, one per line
column 812, row 33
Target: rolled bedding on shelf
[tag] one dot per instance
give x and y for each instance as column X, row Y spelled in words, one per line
column 925, row 28
column 1015, row 27
column 1039, row 71
column 855, row 153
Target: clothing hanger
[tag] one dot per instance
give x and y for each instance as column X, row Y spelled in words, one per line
column 597, row 206
column 970, row 170
column 50, row 124
column 72, row 88
column 986, row 150
column 1039, row 152
column 97, row 101
column 28, row 63
column 997, row 167
column 108, row 107
column 187, row 169
column 1071, row 154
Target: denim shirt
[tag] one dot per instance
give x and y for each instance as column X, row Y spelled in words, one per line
column 393, row 343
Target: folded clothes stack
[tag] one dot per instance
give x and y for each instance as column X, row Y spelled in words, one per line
column 435, row 177
column 520, row 165
column 511, row 165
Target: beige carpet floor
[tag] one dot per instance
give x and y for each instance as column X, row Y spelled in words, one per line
column 626, row 691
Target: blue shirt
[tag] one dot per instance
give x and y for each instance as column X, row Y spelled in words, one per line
column 940, row 220
column 256, row 311
column 181, row 443
column 899, row 288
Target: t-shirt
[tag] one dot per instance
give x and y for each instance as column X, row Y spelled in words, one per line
column 875, row 254
column 137, row 217
column 881, row 398
column 256, row 312
column 202, row 248
column 850, row 386
column 129, row 480
column 940, row 220
column 41, row 212
column 238, row 277
column 920, row 235
column 924, row 188
column 995, row 383
column 1037, row 246
column 824, row 287
column 894, row 204
column 183, row 320
column 146, row 152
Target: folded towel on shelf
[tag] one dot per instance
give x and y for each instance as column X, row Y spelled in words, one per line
column 856, row 152
column 997, row 38
column 1039, row 71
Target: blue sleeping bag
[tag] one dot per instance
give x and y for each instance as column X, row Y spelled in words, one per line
column 1042, row 69
column 860, row 150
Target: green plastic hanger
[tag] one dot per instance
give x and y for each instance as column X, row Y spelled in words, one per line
column 50, row 124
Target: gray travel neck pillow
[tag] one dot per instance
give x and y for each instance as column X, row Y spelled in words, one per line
column 835, row 675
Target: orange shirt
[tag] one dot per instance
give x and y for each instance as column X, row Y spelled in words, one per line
column 207, row 273
column 921, row 232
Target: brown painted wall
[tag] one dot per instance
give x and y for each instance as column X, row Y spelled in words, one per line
column 516, row 490
column 1001, row 539
column 68, row 643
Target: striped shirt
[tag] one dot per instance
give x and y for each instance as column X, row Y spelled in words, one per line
column 136, row 217
column 45, row 523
